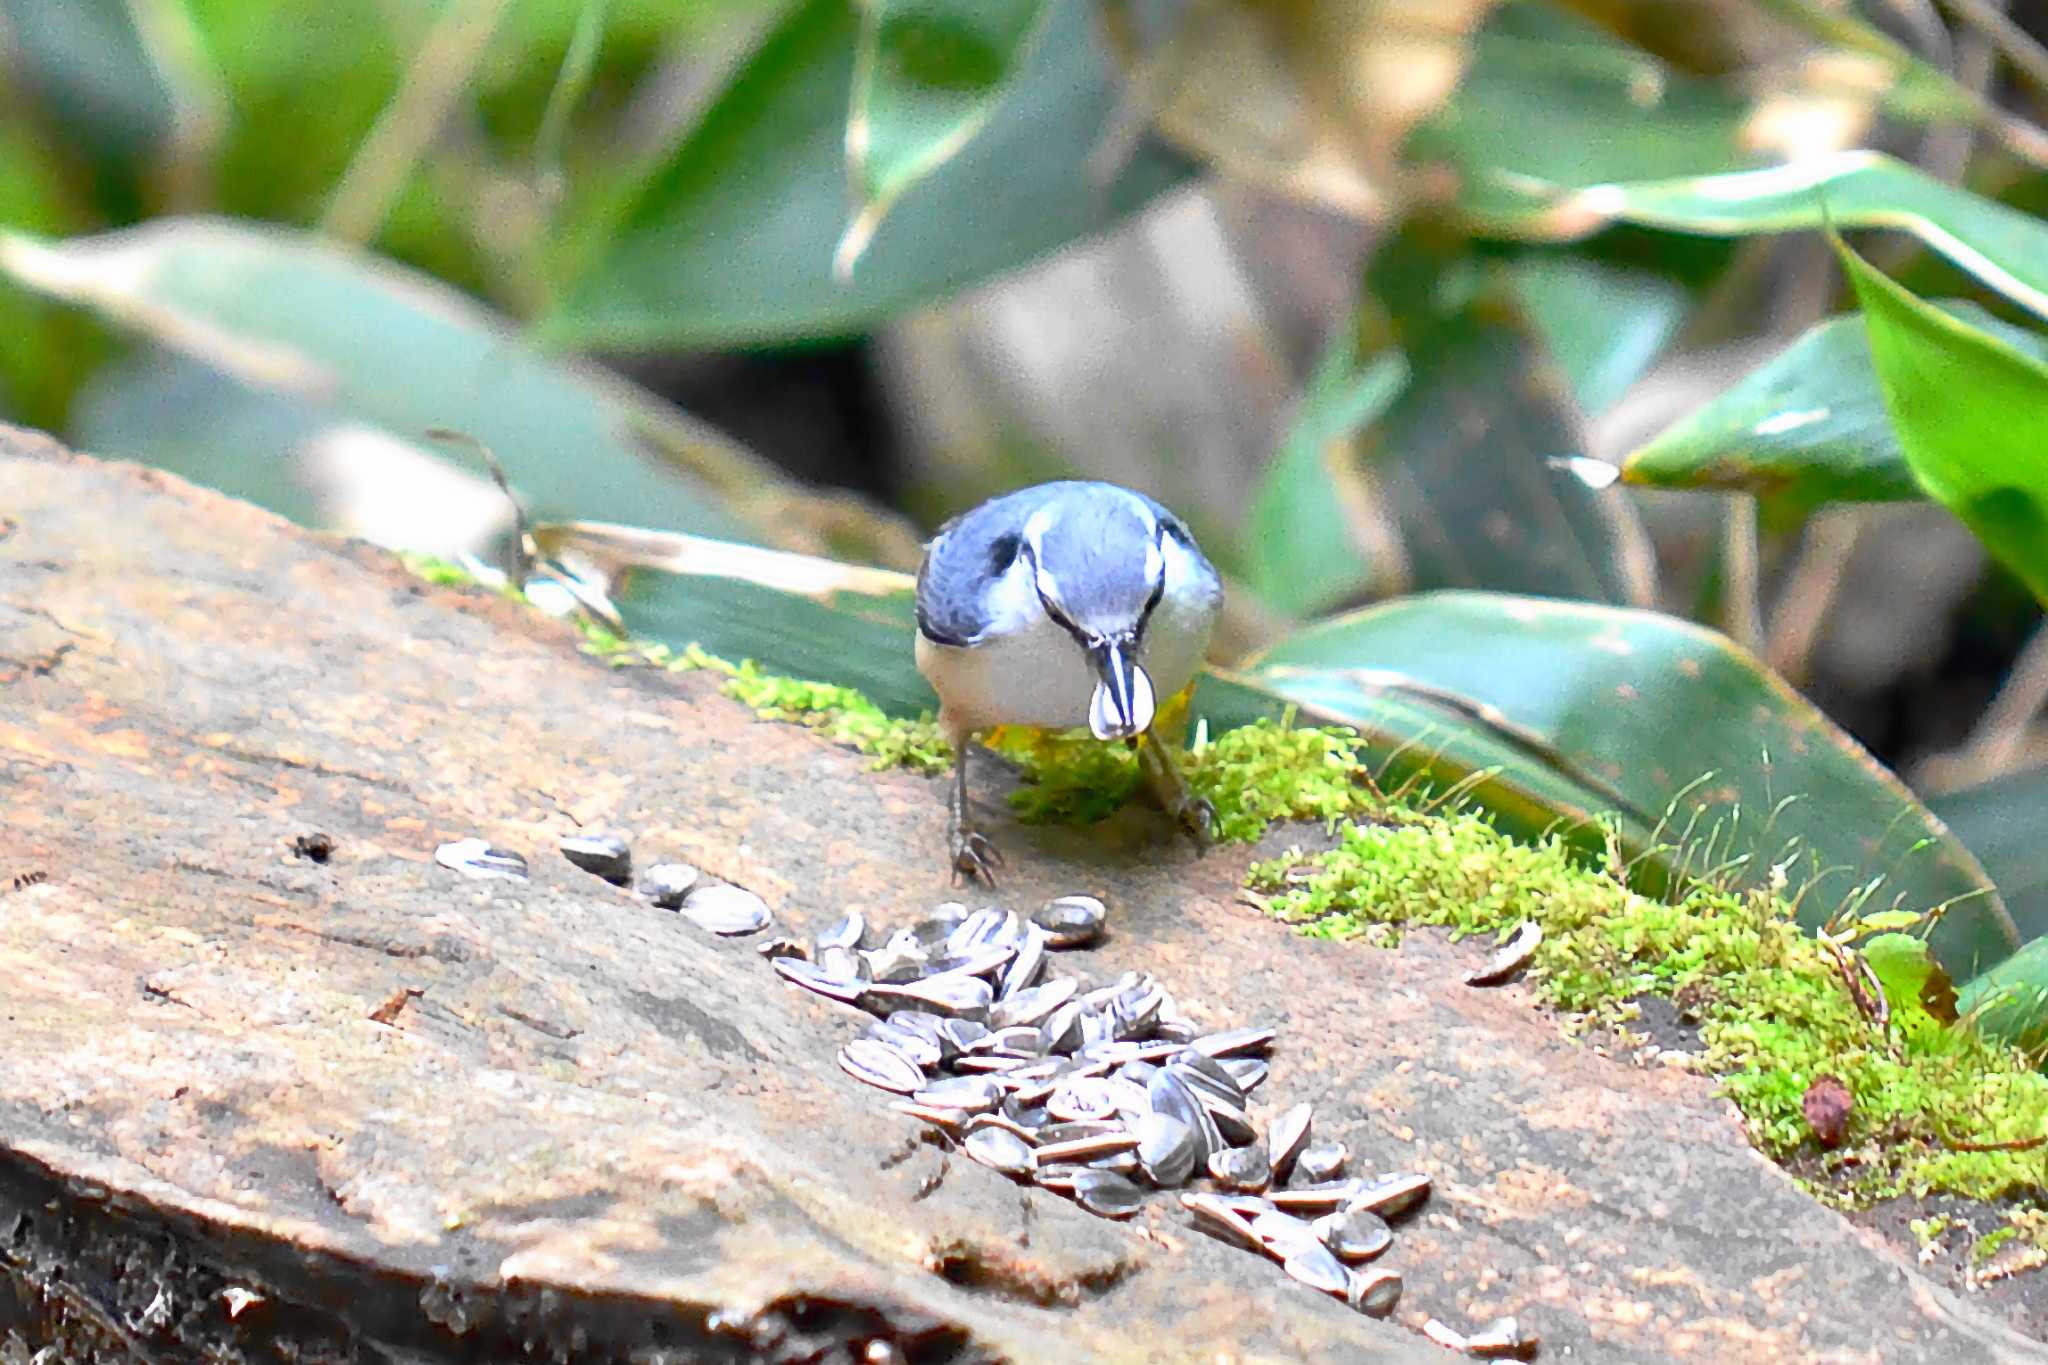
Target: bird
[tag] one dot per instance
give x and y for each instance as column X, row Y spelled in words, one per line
column 1061, row 605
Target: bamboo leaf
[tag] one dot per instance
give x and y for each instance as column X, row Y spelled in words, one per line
column 792, row 614
column 927, row 74
column 347, row 339
column 732, row 238
column 2003, row 248
column 1604, row 325
column 1809, row 425
column 1550, row 100
column 1465, row 462
column 1965, row 406
column 1315, row 536
column 1425, row 451
column 88, row 63
column 2001, row 821
column 2010, row 1000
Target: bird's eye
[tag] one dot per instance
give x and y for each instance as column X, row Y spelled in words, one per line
column 1002, row 553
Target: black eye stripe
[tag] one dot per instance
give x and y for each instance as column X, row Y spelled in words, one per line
column 1059, row 617
column 1158, row 590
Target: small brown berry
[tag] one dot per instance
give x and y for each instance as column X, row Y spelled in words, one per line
column 1827, row 1104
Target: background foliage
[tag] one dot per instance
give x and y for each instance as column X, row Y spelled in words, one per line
column 1609, row 410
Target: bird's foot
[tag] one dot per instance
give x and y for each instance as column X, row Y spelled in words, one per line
column 1161, row 771
column 1198, row 818
column 974, row 857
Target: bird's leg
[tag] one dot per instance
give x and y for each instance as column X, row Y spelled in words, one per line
column 1161, row 771
column 974, row 857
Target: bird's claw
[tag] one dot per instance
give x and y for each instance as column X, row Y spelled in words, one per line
column 1198, row 818
column 975, row 858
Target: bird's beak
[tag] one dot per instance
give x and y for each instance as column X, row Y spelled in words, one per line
column 1122, row 705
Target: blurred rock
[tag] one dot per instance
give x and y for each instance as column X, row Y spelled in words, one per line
column 1146, row 357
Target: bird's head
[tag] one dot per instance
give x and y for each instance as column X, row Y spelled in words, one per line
column 1098, row 562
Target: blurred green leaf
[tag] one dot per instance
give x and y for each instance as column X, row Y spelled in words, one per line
column 1692, row 740
column 1443, row 475
column 353, row 339
column 1604, row 325
column 86, row 62
column 732, row 239
column 1809, row 425
column 1847, row 61
column 1312, row 101
column 1307, row 541
column 1917, row 88
column 2001, row 821
column 2010, row 1001
column 1967, row 409
column 46, row 351
column 927, row 74
column 463, row 214
column 284, row 151
column 1549, row 98
column 1462, row 463
column 161, row 409
column 2004, row 249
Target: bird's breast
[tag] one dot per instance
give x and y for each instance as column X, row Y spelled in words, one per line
column 1032, row 676
column 1037, row 675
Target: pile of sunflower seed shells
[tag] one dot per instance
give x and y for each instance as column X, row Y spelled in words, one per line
column 1106, row 1095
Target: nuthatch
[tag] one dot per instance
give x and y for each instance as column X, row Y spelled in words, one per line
column 1057, row 606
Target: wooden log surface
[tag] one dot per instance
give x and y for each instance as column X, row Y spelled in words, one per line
column 254, row 1106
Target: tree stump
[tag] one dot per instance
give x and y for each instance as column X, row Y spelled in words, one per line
column 259, row 1106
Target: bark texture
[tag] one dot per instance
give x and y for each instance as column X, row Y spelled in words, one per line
column 258, row 1107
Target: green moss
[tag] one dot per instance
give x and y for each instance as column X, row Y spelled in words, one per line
column 448, row 574
column 1988, row 1245
column 1252, row 776
column 1261, row 773
column 1771, row 1005
column 1928, row 1231
column 1769, row 999
column 839, row 713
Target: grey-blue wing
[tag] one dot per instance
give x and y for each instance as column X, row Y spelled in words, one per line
column 945, row 614
column 962, row 560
